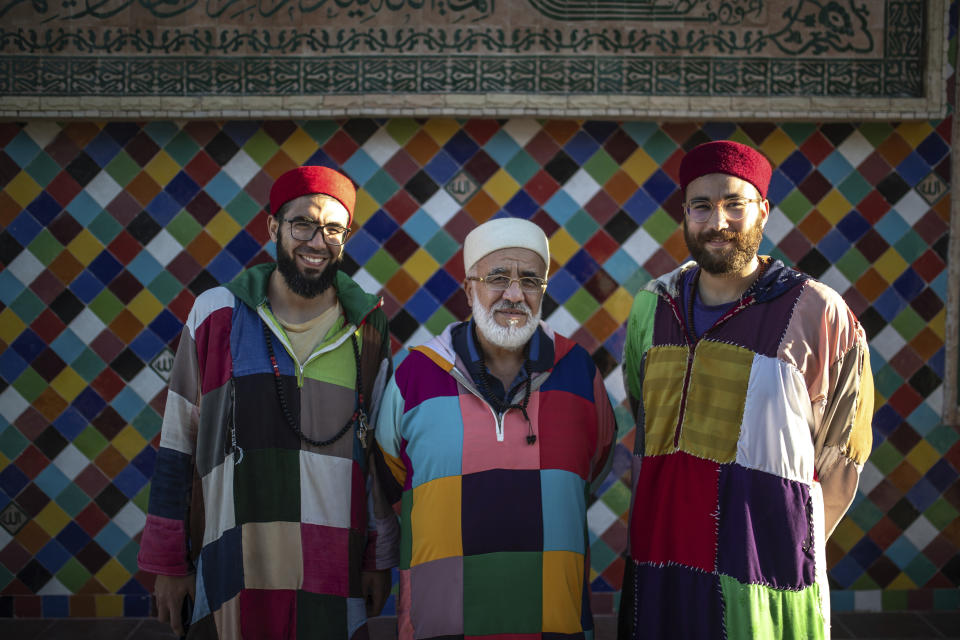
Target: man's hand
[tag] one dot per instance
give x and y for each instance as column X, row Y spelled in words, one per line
column 170, row 591
column 375, row 586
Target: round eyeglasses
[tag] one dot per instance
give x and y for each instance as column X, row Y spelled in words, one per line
column 528, row 284
column 306, row 230
column 700, row 209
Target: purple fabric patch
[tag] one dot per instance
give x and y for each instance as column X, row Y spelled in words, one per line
column 766, row 533
column 760, row 327
column 419, row 378
column 672, row 602
column 502, row 511
column 666, row 329
column 437, row 598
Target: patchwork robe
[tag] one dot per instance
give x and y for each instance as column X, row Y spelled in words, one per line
column 494, row 539
column 749, row 445
column 280, row 528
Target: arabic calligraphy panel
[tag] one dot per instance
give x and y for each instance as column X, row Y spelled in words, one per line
column 652, row 48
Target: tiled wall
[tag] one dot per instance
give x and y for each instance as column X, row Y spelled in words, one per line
column 111, row 229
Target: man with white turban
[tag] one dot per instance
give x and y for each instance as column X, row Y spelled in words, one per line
column 491, row 435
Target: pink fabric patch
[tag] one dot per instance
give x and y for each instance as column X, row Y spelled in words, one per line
column 673, row 518
column 568, row 428
column 213, row 349
column 268, row 614
column 481, row 449
column 326, row 559
column 163, row 547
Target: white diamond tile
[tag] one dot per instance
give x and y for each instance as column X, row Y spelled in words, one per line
column 26, row 267
column 522, row 130
column 12, row 404
column 581, row 187
column 380, row 147
column 164, row 247
column 912, row 207
column 87, row 325
column 855, row 148
column 130, row 519
column 921, row 532
column 600, row 517
column 103, row 188
column 147, row 384
column 70, row 461
column 241, row 168
column 640, row 246
column 441, row 207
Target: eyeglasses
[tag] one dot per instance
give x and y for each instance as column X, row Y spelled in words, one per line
column 701, row 209
column 306, row 230
column 528, row 284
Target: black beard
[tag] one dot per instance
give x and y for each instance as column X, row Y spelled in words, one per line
column 745, row 247
column 303, row 285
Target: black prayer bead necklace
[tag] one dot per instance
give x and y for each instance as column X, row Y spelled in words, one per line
column 359, row 416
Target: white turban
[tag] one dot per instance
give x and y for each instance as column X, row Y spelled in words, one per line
column 504, row 233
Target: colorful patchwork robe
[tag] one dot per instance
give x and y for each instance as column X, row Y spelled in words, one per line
column 494, row 539
column 282, row 527
column 749, row 445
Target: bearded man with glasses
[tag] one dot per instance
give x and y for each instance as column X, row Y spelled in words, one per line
column 491, row 435
column 264, row 510
column 751, row 387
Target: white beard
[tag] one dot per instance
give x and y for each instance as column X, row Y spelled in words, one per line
column 512, row 337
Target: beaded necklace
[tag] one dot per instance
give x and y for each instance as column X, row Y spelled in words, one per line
column 358, row 418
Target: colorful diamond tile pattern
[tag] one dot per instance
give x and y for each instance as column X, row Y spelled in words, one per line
column 109, row 231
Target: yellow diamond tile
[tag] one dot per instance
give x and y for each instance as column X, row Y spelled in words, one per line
column 222, row 228
column 85, row 247
column 11, row 326
column 23, row 189
column 834, row 206
column 562, row 246
column 365, row 207
column 112, row 575
column 441, row 129
column 52, row 519
column 937, row 324
column 421, row 266
column 902, row 581
column 128, row 442
column 501, row 187
column 778, row 146
column 68, row 384
column 890, row 265
column 145, row 306
column 923, row 456
column 162, row 168
column 299, row 146
column 914, row 132
column 847, row 534
column 639, row 166
column 108, row 606
column 618, row 304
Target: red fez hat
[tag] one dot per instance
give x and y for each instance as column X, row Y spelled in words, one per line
column 731, row 158
column 305, row 181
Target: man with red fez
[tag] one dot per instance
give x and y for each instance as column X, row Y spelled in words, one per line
column 751, row 387
column 264, row 511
